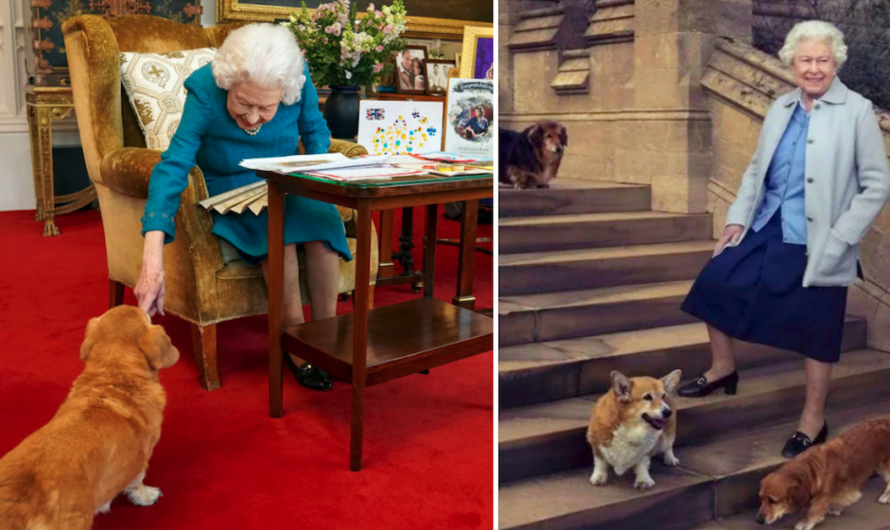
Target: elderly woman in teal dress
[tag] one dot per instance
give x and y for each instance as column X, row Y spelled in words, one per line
column 255, row 99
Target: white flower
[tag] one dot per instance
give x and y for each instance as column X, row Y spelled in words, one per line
column 348, row 74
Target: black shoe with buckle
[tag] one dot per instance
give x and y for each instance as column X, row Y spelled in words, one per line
column 312, row 377
column 700, row 387
column 800, row 442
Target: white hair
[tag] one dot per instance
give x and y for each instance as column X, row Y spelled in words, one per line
column 264, row 54
column 814, row 30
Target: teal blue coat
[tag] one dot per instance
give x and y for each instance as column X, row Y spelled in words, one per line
column 208, row 137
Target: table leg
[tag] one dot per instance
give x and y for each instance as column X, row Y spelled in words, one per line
column 360, row 331
column 385, row 268
column 466, row 267
column 43, row 169
column 276, row 279
column 429, row 250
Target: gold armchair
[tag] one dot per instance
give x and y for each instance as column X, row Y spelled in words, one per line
column 201, row 287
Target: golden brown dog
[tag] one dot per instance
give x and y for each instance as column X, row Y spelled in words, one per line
column 631, row 423
column 99, row 442
column 827, row 478
column 531, row 159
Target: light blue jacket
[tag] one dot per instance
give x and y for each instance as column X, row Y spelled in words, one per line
column 847, row 179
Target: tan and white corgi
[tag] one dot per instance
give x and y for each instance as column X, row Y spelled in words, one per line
column 630, row 424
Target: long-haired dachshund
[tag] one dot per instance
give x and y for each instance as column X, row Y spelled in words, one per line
column 531, row 158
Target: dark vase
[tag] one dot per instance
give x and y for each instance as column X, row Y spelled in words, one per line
column 341, row 112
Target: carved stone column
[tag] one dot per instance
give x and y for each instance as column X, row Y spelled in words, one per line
column 671, row 138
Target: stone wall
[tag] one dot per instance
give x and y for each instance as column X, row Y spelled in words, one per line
column 742, row 83
column 628, row 91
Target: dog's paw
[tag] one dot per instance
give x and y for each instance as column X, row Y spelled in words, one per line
column 885, row 498
column 671, row 460
column 644, row 484
column 105, row 509
column 804, row 525
column 835, row 510
column 599, row 479
column 144, row 495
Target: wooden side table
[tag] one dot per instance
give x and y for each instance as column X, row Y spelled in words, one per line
column 46, row 104
column 373, row 346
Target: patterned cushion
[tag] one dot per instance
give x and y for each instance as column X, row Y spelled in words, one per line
column 154, row 86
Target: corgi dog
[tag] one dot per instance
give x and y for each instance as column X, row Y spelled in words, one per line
column 630, row 424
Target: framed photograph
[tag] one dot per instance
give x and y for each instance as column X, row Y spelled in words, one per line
column 400, row 127
column 436, row 72
column 477, row 55
column 469, row 123
column 442, row 19
column 410, row 78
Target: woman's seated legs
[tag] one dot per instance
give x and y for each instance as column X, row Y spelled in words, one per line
column 323, row 277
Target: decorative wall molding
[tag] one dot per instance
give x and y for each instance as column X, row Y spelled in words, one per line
column 13, row 49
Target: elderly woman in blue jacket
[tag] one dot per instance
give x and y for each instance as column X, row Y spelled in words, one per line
column 781, row 269
column 255, row 99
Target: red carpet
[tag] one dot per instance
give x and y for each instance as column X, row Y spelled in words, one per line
column 222, row 462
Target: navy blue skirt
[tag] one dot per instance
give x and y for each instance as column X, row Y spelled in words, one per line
column 754, row 292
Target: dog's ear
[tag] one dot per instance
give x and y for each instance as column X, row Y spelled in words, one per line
column 158, row 348
column 621, row 385
column 89, row 339
column 563, row 136
column 535, row 135
column 672, row 381
column 798, row 494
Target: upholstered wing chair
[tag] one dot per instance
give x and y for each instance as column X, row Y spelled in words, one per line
column 201, row 287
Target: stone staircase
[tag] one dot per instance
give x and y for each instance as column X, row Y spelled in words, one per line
column 590, row 282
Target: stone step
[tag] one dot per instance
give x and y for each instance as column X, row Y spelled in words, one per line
column 571, row 270
column 547, row 371
column 550, row 437
column 716, row 479
column 566, row 232
column 573, row 196
column 867, row 514
column 565, row 315
column 568, row 501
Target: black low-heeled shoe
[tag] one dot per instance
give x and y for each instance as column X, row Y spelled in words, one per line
column 700, row 387
column 312, row 377
column 800, row 442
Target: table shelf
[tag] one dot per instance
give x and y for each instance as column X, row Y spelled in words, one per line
column 403, row 339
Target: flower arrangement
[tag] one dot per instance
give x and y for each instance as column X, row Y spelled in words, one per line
column 341, row 50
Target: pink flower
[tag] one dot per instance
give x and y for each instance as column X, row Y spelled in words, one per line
column 378, row 67
column 378, row 13
column 335, row 29
column 325, row 40
column 387, row 29
column 379, row 49
column 370, row 7
column 328, row 29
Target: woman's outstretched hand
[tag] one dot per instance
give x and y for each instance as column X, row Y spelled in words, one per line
column 730, row 233
column 151, row 286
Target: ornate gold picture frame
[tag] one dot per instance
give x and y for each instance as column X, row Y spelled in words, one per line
column 423, row 27
column 477, row 55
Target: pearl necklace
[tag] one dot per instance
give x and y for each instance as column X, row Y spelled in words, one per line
column 253, row 131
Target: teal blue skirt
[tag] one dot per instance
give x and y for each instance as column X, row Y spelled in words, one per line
column 305, row 220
